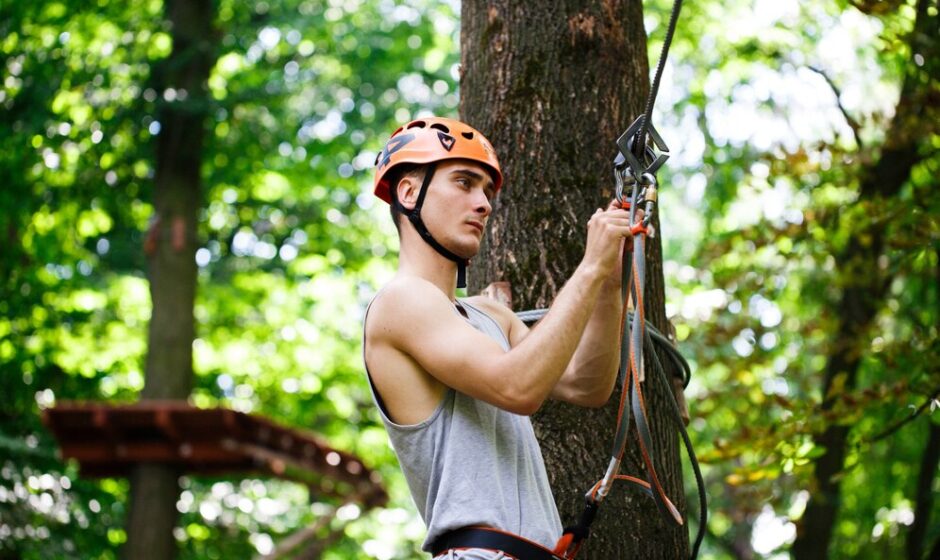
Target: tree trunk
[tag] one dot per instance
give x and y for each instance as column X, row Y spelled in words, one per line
column 171, row 247
column 553, row 88
column 864, row 282
column 924, row 494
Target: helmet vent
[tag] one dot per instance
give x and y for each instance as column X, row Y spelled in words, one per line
column 467, row 135
column 441, row 127
column 417, row 124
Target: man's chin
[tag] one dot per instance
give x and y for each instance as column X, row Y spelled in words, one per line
column 468, row 250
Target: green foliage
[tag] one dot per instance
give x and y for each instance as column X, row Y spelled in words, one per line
column 302, row 95
column 760, row 199
column 775, row 199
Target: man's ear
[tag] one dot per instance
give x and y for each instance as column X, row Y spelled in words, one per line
column 408, row 190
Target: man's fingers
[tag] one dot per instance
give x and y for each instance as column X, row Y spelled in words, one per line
column 620, row 222
column 617, row 212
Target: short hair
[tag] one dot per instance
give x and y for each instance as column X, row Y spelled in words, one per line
column 413, row 170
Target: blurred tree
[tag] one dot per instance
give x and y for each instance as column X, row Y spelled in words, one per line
column 553, row 110
column 861, row 272
column 792, row 123
column 286, row 247
column 170, row 245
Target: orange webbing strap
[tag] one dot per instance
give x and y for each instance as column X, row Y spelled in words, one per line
column 638, row 401
column 634, row 282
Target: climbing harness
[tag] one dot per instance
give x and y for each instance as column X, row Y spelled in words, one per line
column 641, row 153
column 492, row 539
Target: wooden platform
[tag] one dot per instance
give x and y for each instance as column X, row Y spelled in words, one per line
column 108, row 440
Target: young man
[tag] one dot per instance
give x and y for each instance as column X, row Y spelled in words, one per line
column 456, row 380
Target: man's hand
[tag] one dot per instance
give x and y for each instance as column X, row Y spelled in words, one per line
column 608, row 230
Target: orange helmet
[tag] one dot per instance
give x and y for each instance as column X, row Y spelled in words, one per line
column 429, row 140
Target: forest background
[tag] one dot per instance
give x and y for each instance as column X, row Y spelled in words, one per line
column 775, row 111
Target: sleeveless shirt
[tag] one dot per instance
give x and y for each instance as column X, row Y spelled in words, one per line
column 472, row 463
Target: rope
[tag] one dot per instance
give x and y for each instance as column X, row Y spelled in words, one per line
column 635, row 334
column 654, row 89
column 639, row 337
column 654, row 338
column 633, row 339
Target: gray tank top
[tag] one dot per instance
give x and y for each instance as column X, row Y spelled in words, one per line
column 471, row 463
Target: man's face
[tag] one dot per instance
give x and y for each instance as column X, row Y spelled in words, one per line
column 457, row 205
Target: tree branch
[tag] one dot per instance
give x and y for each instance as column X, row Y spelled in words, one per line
column 853, row 124
column 876, row 7
column 901, row 423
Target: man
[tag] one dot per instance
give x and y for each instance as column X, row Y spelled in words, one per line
column 456, row 380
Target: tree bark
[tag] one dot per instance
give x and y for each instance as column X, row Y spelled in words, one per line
column 864, row 282
column 553, row 87
column 170, row 247
column 935, row 551
column 924, row 496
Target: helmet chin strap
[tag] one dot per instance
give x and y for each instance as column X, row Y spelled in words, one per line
column 414, row 216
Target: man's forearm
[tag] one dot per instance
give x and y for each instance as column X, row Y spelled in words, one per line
column 541, row 359
column 593, row 368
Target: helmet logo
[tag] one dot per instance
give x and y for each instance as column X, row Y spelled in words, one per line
column 446, row 140
column 393, row 145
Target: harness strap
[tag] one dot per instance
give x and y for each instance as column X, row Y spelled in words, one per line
column 634, row 336
column 571, row 539
column 492, row 539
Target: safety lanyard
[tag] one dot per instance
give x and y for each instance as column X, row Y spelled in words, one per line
column 642, row 152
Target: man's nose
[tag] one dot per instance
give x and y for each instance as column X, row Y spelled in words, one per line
column 483, row 205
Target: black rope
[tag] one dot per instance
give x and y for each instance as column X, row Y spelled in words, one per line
column 654, row 89
column 699, row 480
column 651, row 333
column 672, row 352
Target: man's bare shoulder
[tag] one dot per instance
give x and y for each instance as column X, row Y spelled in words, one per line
column 403, row 301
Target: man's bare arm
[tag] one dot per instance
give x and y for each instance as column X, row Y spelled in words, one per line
column 469, row 361
column 590, row 376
